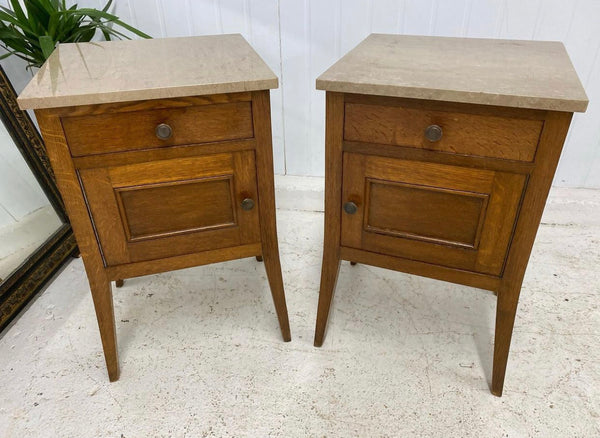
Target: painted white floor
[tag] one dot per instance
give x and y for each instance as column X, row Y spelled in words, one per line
column 201, row 353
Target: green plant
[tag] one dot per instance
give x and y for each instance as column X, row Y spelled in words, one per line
column 32, row 33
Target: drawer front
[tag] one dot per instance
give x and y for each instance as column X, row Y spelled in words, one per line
column 446, row 215
column 461, row 133
column 159, row 209
column 122, row 131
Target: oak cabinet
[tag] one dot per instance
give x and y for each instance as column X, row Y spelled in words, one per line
column 439, row 155
column 161, row 168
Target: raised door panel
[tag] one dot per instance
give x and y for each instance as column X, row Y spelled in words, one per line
column 460, row 213
column 153, row 210
column 196, row 204
column 446, row 215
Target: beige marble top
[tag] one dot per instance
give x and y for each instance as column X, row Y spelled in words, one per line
column 118, row 71
column 524, row 74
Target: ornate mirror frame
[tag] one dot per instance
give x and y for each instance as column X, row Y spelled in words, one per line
column 30, row 277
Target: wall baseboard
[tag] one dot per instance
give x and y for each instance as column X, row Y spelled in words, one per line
column 305, row 193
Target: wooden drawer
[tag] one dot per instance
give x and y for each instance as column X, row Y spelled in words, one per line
column 153, row 210
column 123, row 131
column 446, row 215
column 483, row 135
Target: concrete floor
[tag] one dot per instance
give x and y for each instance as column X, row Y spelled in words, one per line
column 201, row 354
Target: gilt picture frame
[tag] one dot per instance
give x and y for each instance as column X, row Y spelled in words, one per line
column 41, row 265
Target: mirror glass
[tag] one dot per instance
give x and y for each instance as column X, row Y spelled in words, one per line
column 27, row 219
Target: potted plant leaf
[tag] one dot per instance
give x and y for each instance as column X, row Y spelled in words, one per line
column 33, row 31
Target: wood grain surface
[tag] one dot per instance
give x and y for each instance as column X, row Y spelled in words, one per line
column 158, row 209
column 467, row 134
column 261, row 109
column 70, row 189
column 465, row 209
column 551, row 143
column 476, row 205
column 140, row 205
column 334, row 126
column 105, row 133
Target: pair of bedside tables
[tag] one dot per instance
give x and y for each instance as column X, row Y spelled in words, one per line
column 440, row 153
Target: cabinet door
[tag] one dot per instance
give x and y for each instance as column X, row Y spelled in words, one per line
column 446, row 215
column 159, row 209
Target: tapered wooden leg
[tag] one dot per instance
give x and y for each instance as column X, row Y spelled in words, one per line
column 71, row 191
column 273, row 268
column 259, row 258
column 329, row 275
column 270, row 249
column 261, row 112
column 556, row 126
column 103, row 303
column 506, row 309
column 352, row 263
column 334, row 122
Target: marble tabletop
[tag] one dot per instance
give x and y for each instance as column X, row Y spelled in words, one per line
column 523, row 74
column 118, row 71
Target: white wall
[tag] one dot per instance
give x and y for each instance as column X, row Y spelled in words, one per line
column 299, row 39
column 314, row 33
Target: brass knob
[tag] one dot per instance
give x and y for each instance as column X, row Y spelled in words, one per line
column 433, row 133
column 350, row 207
column 247, row 204
column 163, row 131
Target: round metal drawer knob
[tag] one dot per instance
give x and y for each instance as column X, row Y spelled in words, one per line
column 350, row 207
column 163, row 131
column 247, row 204
column 433, row 133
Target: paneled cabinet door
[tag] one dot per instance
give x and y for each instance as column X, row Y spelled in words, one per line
column 158, row 209
column 441, row 214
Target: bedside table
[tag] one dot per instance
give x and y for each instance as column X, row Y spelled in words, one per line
column 440, row 153
column 162, row 153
